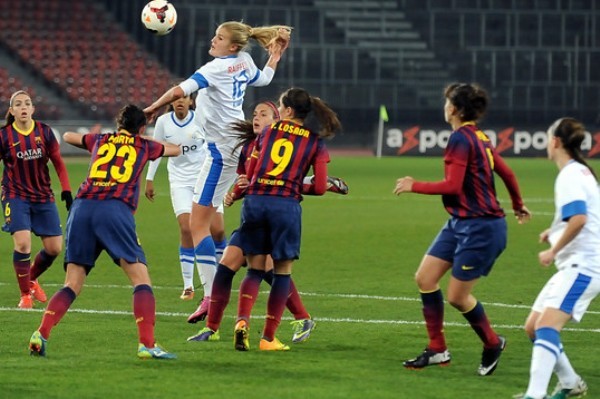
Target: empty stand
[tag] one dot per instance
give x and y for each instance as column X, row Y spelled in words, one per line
column 10, row 84
column 79, row 50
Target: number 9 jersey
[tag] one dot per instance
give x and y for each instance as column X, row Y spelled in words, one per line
column 118, row 160
column 285, row 152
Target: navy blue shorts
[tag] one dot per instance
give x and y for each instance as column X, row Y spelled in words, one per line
column 471, row 245
column 41, row 218
column 234, row 239
column 97, row 225
column 271, row 225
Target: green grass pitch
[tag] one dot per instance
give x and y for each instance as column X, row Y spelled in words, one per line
column 359, row 255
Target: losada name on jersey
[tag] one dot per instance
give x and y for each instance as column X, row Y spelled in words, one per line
column 296, row 130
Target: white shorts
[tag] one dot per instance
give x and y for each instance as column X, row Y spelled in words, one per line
column 182, row 197
column 569, row 290
column 217, row 175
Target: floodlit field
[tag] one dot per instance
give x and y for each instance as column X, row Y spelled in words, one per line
column 359, row 254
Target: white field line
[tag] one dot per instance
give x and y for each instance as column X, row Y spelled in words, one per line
column 320, row 319
column 313, row 294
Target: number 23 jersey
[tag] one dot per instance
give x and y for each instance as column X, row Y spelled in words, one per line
column 118, row 159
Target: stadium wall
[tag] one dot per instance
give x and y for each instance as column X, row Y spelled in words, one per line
column 401, row 140
column 510, row 141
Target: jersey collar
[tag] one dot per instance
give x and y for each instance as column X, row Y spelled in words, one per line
column 24, row 132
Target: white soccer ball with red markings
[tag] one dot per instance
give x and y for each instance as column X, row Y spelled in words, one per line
column 159, row 17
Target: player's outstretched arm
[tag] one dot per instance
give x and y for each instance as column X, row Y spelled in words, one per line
column 334, row 185
column 75, row 139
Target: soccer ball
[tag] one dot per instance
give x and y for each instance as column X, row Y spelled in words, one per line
column 159, row 17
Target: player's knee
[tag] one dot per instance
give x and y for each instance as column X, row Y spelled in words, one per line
column 529, row 330
column 54, row 248
column 458, row 301
column 425, row 282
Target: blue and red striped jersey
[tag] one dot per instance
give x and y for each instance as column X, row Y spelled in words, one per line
column 286, row 150
column 469, row 146
column 118, row 160
column 245, row 155
column 25, row 156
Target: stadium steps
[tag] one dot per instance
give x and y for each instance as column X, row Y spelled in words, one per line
column 45, row 99
column 390, row 39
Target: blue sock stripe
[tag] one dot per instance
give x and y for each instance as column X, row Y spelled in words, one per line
column 548, row 334
column 186, row 251
column 551, row 349
column 206, row 247
column 205, row 252
column 548, row 338
column 206, row 260
column 221, row 244
column 186, row 259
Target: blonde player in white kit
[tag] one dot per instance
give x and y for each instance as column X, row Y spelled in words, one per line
column 574, row 237
column 221, row 85
column 178, row 127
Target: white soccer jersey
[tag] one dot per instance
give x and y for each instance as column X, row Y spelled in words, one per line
column 183, row 169
column 224, row 81
column 576, row 192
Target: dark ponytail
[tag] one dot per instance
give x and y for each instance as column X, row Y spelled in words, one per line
column 131, row 118
column 315, row 114
column 571, row 133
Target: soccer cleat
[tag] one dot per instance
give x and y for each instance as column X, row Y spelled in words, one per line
column 187, row 294
column 240, row 336
column 490, row 358
column 201, row 312
column 37, row 344
column 274, row 345
column 37, row 291
column 206, row 334
column 26, row 302
column 154, row 353
column 337, row 185
column 302, row 329
column 579, row 391
column 428, row 358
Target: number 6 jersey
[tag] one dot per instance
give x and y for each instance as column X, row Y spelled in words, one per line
column 118, row 160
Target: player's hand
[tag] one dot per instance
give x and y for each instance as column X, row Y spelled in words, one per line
column 150, row 114
column 544, row 235
column 404, row 185
column 228, row 200
column 150, row 193
column 546, row 257
column 275, row 50
column 68, row 198
column 285, row 35
column 242, row 182
column 523, row 215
